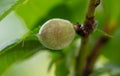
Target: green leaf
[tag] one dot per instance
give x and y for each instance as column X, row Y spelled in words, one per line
column 111, row 8
column 34, row 10
column 54, row 57
column 112, row 49
column 7, row 6
column 101, row 32
column 61, row 68
column 41, row 10
column 79, row 8
column 19, row 52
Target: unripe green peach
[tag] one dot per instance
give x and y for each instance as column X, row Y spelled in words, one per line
column 56, row 33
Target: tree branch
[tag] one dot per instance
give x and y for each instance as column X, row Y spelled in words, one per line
column 91, row 59
column 85, row 30
column 80, row 59
column 96, row 51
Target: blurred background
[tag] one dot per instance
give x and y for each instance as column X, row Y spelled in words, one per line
column 33, row 13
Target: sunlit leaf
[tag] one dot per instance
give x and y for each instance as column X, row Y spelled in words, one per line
column 7, row 6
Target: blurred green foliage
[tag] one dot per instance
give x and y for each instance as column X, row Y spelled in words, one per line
column 35, row 12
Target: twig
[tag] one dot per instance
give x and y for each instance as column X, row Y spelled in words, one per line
column 96, row 51
column 91, row 59
column 84, row 31
column 80, row 60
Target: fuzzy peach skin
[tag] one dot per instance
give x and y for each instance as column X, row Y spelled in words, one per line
column 56, row 33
